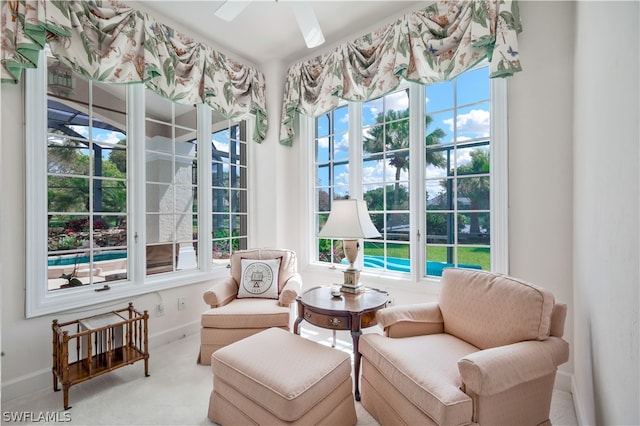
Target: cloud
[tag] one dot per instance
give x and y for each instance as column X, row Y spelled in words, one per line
column 375, row 173
column 99, row 135
column 323, row 142
column 109, row 137
column 342, row 144
column 81, row 130
column 476, row 121
column 398, row 101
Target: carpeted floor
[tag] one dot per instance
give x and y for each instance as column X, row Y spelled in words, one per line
column 176, row 392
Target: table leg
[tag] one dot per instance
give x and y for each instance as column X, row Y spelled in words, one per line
column 296, row 325
column 355, row 335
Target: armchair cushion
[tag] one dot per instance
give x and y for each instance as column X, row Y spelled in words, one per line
column 247, row 313
column 489, row 310
column 259, row 278
column 424, row 369
column 411, row 320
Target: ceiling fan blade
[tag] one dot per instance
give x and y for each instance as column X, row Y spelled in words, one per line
column 308, row 24
column 230, row 9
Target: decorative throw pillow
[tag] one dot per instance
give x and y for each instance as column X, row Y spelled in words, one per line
column 259, row 278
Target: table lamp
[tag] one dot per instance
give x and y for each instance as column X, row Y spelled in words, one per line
column 349, row 220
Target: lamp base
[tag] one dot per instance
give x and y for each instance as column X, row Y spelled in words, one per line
column 351, row 284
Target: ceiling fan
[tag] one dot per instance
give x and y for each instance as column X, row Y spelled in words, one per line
column 305, row 16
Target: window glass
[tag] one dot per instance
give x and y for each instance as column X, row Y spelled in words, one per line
column 171, row 151
column 229, row 195
column 87, row 184
column 331, row 175
column 457, row 143
column 385, row 165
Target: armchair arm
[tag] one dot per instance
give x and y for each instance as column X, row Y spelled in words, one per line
column 411, row 320
column 290, row 290
column 495, row 370
column 221, row 292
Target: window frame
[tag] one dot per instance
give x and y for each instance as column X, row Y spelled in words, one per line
column 417, row 240
column 38, row 299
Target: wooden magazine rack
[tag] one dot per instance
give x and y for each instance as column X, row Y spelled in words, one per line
column 89, row 347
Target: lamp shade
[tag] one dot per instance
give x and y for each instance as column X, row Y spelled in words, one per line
column 349, row 219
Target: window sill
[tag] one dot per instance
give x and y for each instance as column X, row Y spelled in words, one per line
column 87, row 296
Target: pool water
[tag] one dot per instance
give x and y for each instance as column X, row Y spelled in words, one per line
column 72, row 260
column 402, row 265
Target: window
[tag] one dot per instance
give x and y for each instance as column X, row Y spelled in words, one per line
column 229, row 195
column 385, row 178
column 431, row 167
column 458, row 146
column 86, row 181
column 332, row 174
column 171, row 189
column 117, row 191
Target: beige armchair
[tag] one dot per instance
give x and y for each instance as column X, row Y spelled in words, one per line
column 486, row 353
column 240, row 308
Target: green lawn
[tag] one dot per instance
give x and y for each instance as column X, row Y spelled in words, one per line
column 468, row 255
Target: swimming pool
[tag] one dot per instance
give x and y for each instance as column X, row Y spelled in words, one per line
column 73, row 260
column 402, row 265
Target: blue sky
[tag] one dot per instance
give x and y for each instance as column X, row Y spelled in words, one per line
column 473, row 121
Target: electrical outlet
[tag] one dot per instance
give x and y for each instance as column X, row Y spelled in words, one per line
column 160, row 309
column 182, row 303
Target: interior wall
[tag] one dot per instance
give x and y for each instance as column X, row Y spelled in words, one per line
column 606, row 218
column 540, row 102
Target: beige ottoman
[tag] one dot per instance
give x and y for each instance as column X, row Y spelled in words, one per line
column 276, row 377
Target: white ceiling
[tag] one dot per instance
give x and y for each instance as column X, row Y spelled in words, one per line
column 267, row 29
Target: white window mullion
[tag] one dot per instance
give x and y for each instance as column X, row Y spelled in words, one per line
column 204, row 188
column 355, row 151
column 137, row 178
column 417, row 158
column 355, row 161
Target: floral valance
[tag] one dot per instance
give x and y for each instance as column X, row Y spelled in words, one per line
column 430, row 45
column 111, row 42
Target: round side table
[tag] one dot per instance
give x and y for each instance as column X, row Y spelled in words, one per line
column 347, row 312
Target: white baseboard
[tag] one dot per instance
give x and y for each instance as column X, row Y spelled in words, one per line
column 41, row 379
column 579, row 404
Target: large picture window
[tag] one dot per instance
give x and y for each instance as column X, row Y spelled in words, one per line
column 426, row 168
column 117, row 190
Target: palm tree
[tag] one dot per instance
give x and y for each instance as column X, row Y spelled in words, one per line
column 475, row 188
column 392, row 133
